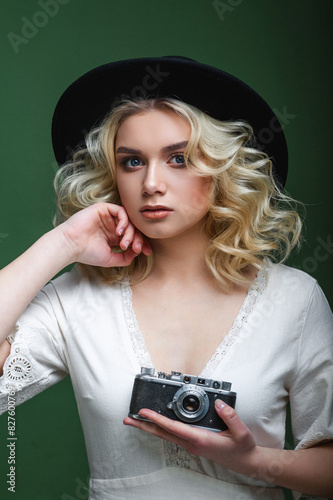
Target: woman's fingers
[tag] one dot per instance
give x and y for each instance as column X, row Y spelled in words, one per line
column 227, row 448
column 121, row 259
column 94, row 234
column 130, row 236
column 170, row 430
column 158, row 431
column 236, row 427
column 237, row 430
column 146, row 248
column 140, row 244
column 172, row 426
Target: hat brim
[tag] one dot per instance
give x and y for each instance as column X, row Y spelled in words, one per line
column 89, row 99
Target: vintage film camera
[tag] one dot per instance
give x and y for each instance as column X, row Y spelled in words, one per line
column 181, row 397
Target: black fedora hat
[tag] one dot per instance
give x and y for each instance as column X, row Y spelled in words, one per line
column 87, row 101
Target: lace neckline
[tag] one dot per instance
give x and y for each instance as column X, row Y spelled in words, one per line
column 138, row 342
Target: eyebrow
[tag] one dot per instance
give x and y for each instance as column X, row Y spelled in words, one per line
column 166, row 149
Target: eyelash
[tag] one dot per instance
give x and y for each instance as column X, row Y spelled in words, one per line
column 179, row 154
column 124, row 161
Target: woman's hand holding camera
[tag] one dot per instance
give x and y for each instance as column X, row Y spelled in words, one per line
column 90, row 234
column 234, row 448
column 307, row 470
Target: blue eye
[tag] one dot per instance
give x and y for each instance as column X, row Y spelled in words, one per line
column 178, row 159
column 131, row 162
column 134, row 162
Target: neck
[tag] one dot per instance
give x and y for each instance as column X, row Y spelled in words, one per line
column 181, row 258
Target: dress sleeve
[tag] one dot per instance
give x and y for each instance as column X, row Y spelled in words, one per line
column 311, row 393
column 37, row 358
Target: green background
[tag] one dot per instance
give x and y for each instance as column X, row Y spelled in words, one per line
column 281, row 48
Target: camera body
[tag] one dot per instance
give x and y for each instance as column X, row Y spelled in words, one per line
column 181, row 397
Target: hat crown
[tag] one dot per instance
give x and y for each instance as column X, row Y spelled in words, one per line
column 89, row 99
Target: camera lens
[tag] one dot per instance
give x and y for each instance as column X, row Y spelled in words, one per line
column 191, row 404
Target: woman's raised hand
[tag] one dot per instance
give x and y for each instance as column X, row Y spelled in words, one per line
column 90, row 233
column 86, row 237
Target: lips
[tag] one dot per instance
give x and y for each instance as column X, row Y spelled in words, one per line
column 155, row 211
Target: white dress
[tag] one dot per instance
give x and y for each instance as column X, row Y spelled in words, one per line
column 279, row 349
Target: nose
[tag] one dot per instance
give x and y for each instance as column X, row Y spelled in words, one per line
column 154, row 182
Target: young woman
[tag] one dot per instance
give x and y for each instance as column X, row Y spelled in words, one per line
column 174, row 212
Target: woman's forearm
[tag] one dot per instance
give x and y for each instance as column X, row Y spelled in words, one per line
column 308, row 471
column 21, row 280
column 86, row 237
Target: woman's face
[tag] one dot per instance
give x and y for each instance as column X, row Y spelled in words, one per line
column 162, row 197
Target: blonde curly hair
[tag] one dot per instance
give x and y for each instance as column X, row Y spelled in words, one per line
column 249, row 217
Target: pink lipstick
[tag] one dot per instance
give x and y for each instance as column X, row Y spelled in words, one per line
column 155, row 211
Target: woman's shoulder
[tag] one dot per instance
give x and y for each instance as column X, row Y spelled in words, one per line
column 286, row 275
column 294, row 284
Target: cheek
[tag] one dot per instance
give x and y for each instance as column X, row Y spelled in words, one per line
column 125, row 189
column 127, row 200
column 199, row 195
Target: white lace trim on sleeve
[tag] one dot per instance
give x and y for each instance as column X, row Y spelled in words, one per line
column 21, row 373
